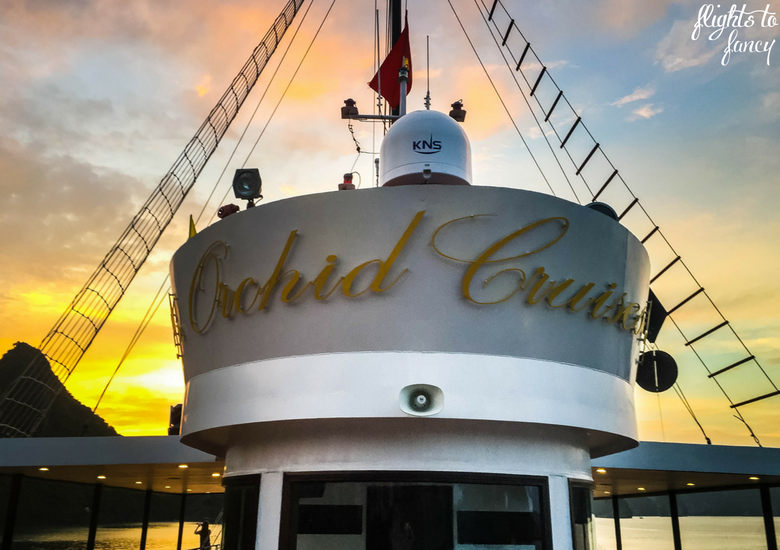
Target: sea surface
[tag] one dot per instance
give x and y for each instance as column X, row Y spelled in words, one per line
column 638, row 533
column 696, row 532
column 159, row 536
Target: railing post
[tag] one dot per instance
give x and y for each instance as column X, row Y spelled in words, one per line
column 675, row 520
column 181, row 519
column 93, row 516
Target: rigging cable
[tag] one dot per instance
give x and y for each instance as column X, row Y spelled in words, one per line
column 147, row 317
column 284, row 93
column 495, row 89
column 681, row 395
column 635, row 201
column 528, row 104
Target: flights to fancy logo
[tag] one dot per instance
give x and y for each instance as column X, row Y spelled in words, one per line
column 429, row 147
column 736, row 19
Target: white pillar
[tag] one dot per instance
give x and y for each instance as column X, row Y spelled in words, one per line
column 560, row 514
column 269, row 513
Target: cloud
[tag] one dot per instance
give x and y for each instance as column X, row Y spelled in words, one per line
column 629, row 16
column 771, row 102
column 645, row 111
column 677, row 51
column 534, row 66
column 536, row 133
column 640, row 93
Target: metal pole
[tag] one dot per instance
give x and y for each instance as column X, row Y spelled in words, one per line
column 403, row 78
column 10, row 511
column 616, row 516
column 93, row 517
column 181, row 520
column 145, row 527
column 675, row 520
column 395, row 31
column 769, row 520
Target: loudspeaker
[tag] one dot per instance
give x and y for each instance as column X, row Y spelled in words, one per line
column 421, row 400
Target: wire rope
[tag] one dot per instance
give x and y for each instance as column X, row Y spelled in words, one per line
column 147, row 317
column 495, row 89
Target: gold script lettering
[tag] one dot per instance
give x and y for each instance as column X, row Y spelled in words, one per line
column 484, row 258
column 196, row 285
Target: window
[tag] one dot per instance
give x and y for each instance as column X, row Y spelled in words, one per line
column 242, row 495
column 415, row 512
column 582, row 517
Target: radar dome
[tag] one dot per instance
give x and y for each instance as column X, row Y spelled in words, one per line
column 425, row 147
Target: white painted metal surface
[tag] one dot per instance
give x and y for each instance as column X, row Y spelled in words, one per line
column 416, row 307
column 425, row 147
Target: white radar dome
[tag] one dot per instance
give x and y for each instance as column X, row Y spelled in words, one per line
column 425, row 147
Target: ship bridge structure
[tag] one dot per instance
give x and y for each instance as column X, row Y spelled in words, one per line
column 431, row 363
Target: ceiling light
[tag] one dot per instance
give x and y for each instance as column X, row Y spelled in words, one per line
column 215, row 474
column 182, row 466
column 189, row 490
column 640, row 488
column 101, row 477
column 601, row 470
column 754, row 478
column 167, row 486
column 138, row 483
column 691, row 484
column 43, row 469
column 606, row 492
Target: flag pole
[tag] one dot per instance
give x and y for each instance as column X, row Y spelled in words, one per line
column 395, row 29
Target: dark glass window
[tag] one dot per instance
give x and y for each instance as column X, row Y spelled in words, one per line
column 418, row 515
column 582, row 518
column 53, row 514
column 239, row 522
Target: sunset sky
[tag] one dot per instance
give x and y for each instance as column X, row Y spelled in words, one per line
column 98, row 98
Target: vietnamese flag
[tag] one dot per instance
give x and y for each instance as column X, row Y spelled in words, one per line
column 391, row 88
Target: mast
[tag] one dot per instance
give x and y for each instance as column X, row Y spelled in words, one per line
column 25, row 404
column 395, row 30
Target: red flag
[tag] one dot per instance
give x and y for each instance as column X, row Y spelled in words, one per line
column 391, row 88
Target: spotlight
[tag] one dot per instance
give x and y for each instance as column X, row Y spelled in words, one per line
column 458, row 113
column 247, row 185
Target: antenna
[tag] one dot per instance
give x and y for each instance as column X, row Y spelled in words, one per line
column 428, row 76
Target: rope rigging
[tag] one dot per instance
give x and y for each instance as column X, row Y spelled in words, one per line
column 28, row 399
column 495, row 89
column 158, row 299
column 544, row 76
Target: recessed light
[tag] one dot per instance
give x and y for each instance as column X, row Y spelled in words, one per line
column 208, row 492
column 182, row 466
column 640, row 488
column 101, row 477
column 601, row 470
column 138, row 483
column 167, row 486
column 691, row 484
column 44, row 469
column 606, row 492
column 754, row 478
column 215, row 474
column 189, row 490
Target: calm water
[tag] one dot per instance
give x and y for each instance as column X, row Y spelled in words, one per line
column 697, row 533
column 646, row 533
column 159, row 536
